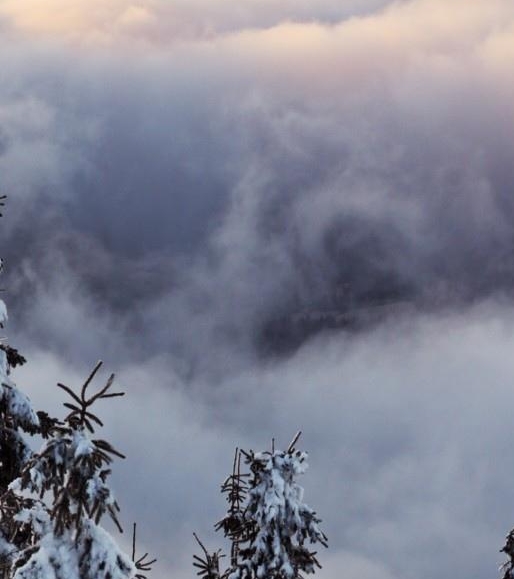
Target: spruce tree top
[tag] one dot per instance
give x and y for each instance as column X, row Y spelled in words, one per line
column 269, row 526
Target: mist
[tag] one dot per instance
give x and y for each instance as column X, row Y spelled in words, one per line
column 184, row 179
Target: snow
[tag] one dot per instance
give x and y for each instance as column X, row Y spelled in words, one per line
column 82, row 551
column 78, row 549
column 3, row 312
column 83, row 445
column 74, row 455
column 19, row 406
column 54, row 535
column 283, row 522
column 91, row 555
column 37, row 517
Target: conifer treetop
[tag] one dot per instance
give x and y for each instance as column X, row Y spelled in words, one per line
column 66, row 540
column 52, row 501
column 267, row 522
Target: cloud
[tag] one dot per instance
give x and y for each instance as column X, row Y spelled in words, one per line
column 408, row 430
column 371, row 154
column 159, row 21
column 251, row 164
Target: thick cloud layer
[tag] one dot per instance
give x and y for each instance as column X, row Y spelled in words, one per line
column 185, row 178
column 408, row 427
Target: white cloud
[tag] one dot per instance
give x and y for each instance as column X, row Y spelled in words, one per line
column 408, row 429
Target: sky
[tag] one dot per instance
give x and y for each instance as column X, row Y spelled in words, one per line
column 182, row 174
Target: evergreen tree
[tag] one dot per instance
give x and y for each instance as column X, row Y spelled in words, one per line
column 63, row 537
column 268, row 523
column 52, row 501
column 17, row 417
column 51, row 512
column 16, row 413
column 508, row 566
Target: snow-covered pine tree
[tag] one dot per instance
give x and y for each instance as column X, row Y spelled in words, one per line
column 51, row 502
column 17, row 417
column 63, row 538
column 16, row 413
column 268, row 523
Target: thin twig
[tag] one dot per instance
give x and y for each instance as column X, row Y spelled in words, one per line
column 201, row 544
column 294, row 441
column 90, row 377
column 134, row 542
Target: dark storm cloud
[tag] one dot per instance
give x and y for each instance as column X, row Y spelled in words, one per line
column 172, row 195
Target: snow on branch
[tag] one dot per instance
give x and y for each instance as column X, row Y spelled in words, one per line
column 267, row 522
column 73, row 468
